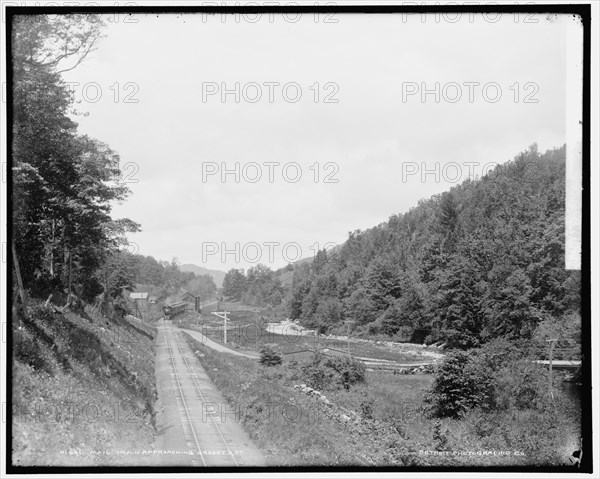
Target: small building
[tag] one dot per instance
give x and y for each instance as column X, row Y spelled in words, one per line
column 153, row 299
column 187, row 297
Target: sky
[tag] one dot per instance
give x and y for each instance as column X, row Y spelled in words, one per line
column 327, row 125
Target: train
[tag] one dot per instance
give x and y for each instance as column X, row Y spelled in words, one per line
column 171, row 310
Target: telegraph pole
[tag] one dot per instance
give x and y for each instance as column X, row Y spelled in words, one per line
column 551, row 343
column 348, row 323
column 223, row 316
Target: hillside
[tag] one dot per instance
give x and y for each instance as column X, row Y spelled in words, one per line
column 482, row 260
column 86, row 382
column 216, row 275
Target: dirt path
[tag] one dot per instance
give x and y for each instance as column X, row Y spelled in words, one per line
column 218, row 347
column 196, row 426
column 369, row 362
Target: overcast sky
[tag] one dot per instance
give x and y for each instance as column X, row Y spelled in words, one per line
column 374, row 126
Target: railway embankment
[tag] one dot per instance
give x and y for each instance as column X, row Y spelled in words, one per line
column 85, row 380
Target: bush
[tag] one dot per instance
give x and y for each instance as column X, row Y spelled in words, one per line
column 349, row 370
column 316, row 374
column 326, row 371
column 457, row 387
column 498, row 376
column 270, row 355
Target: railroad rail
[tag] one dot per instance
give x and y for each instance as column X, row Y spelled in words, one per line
column 199, row 434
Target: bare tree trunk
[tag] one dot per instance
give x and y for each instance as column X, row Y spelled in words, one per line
column 19, row 279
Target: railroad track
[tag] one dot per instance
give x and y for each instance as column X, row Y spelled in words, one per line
column 204, row 437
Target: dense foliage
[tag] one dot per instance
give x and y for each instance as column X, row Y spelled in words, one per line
column 163, row 278
column 258, row 287
column 64, row 182
column 330, row 372
column 483, row 260
column 499, row 376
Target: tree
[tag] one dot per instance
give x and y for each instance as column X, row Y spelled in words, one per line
column 202, row 286
column 262, row 287
column 58, row 42
column 360, row 308
column 382, row 281
column 64, row 183
column 299, row 289
column 117, row 273
column 328, row 313
column 234, row 284
column 483, row 260
column 458, row 311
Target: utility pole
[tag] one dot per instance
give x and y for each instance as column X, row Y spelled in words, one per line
column 348, row 323
column 223, row 316
column 551, row 343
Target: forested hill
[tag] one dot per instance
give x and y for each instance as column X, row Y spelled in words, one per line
column 482, row 260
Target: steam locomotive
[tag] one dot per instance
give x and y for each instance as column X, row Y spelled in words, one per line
column 171, row 310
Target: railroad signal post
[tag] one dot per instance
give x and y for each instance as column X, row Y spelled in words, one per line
column 223, row 316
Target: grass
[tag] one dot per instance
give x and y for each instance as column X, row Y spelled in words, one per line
column 81, row 383
column 290, row 428
column 247, row 331
column 293, row 429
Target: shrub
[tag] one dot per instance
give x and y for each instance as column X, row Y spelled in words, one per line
column 349, row 370
column 326, row 371
column 270, row 355
column 498, row 376
column 366, row 409
column 457, row 387
column 522, row 385
column 316, row 374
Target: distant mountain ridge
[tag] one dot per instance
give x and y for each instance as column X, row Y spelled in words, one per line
column 216, row 275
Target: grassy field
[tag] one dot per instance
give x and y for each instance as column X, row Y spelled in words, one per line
column 247, row 330
column 83, row 390
column 386, row 424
